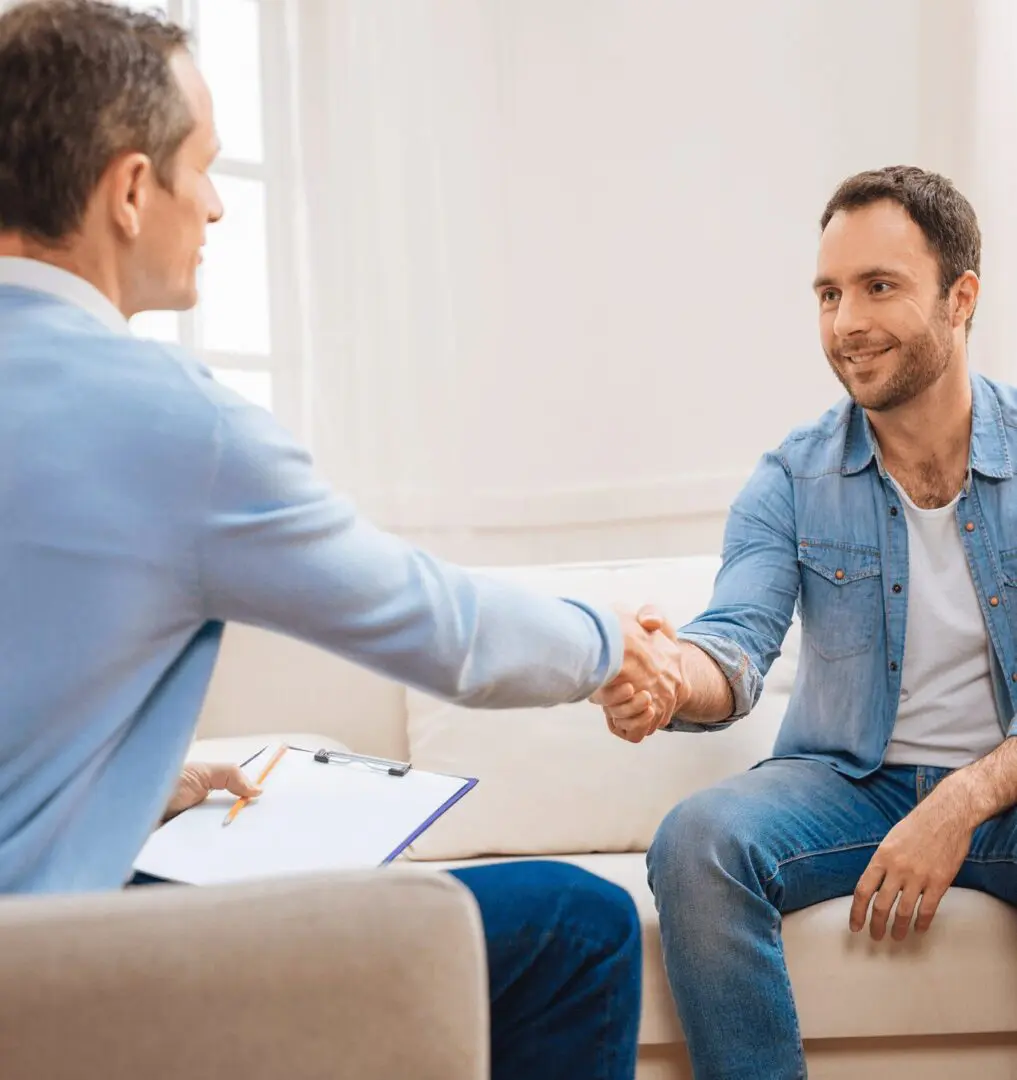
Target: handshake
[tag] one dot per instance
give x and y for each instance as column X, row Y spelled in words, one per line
column 651, row 686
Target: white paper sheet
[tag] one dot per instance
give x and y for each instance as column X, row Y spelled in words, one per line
column 311, row 817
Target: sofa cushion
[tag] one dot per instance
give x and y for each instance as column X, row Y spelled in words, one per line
column 960, row 978
column 556, row 781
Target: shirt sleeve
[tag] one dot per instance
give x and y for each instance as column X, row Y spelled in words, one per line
column 756, row 589
column 280, row 550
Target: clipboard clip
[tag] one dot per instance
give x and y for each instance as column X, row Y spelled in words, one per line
column 342, row 757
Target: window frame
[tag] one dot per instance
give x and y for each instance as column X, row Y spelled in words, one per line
column 278, row 172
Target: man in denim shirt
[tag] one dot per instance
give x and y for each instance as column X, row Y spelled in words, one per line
column 891, row 525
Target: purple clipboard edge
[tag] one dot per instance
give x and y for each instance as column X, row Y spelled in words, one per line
column 468, row 785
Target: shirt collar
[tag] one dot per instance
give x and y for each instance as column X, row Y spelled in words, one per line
column 990, row 455
column 860, row 444
column 63, row 285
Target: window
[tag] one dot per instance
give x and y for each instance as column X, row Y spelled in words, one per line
column 233, row 328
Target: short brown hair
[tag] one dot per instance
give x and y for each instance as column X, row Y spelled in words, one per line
column 81, row 82
column 945, row 217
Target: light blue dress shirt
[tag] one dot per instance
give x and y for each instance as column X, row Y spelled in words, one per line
column 142, row 506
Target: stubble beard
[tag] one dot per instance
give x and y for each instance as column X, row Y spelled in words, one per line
column 921, row 363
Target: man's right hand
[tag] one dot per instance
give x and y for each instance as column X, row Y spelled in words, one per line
column 650, row 688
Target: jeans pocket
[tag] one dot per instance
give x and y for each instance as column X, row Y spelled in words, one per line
column 841, row 596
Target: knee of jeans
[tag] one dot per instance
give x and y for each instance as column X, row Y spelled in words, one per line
column 606, row 912
column 699, row 836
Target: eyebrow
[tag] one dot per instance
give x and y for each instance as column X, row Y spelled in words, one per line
column 865, row 275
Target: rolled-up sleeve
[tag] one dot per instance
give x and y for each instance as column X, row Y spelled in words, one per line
column 755, row 592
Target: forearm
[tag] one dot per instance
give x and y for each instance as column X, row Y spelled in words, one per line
column 985, row 788
column 526, row 649
column 711, row 699
column 279, row 550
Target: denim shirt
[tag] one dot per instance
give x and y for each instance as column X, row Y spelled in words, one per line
column 819, row 529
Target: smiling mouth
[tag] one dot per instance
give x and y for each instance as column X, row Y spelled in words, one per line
column 864, row 357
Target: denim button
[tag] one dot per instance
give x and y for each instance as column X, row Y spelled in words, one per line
column 896, row 586
column 893, row 511
column 893, row 667
column 970, row 527
column 994, row 601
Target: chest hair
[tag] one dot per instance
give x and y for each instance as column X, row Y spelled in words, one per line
column 930, row 486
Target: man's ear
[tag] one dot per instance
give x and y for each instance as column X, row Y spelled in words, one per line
column 128, row 182
column 964, row 296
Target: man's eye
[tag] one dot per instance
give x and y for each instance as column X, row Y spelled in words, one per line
column 828, row 296
column 880, row 287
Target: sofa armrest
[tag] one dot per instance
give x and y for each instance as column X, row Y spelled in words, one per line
column 366, row 975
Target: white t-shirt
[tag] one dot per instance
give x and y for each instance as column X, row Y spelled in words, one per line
column 947, row 711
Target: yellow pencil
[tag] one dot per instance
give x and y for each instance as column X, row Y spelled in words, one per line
column 244, row 800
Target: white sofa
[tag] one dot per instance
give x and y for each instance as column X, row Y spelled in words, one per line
column 242, row 982
column 554, row 783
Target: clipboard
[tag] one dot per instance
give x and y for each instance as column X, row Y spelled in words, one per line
column 341, row 812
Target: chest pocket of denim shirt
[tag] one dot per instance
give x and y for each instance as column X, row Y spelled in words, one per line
column 841, row 597
column 1008, row 564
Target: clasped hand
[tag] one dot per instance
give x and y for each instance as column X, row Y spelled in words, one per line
column 650, row 688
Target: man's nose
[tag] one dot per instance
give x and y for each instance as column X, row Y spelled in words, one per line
column 216, row 208
column 852, row 317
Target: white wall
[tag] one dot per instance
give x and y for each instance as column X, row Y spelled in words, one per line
column 563, row 251
column 574, row 240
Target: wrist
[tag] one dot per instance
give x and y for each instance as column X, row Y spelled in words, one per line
column 705, row 696
column 966, row 798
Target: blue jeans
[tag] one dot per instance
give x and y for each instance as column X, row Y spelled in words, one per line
column 564, row 956
column 729, row 861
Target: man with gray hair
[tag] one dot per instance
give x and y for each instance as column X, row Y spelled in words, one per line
column 144, row 506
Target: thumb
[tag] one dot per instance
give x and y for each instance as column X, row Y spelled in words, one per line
column 233, row 779
column 652, row 618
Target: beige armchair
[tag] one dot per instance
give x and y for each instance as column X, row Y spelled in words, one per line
column 376, row 976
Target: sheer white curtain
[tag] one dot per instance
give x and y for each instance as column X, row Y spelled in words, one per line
column 400, row 187
column 993, row 133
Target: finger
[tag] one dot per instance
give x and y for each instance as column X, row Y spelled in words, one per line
column 866, row 888
column 652, row 618
column 905, row 912
column 619, row 731
column 238, row 784
column 928, row 906
column 614, row 695
column 636, row 729
column 233, row 779
column 645, row 723
column 635, row 706
column 882, row 905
